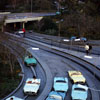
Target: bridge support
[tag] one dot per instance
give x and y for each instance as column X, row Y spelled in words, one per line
column 14, row 26
column 23, row 24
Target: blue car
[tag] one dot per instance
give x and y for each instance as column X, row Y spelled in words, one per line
column 58, row 13
column 73, row 38
column 30, row 61
column 83, row 39
column 79, row 92
column 60, row 84
column 56, row 96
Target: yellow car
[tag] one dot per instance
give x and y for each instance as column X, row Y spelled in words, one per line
column 76, row 77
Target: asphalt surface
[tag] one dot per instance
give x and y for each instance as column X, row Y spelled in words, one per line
column 90, row 78
column 59, row 42
column 59, row 66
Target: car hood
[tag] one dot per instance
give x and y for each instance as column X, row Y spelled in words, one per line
column 30, row 60
column 60, row 87
column 81, row 79
column 31, row 87
column 79, row 95
column 56, row 96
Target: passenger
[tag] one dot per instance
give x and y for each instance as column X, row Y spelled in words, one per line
column 30, row 56
column 34, row 77
column 90, row 48
column 11, row 98
column 24, row 32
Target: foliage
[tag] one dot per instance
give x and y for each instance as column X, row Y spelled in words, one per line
column 9, row 78
column 22, row 6
column 82, row 17
column 47, row 23
column 51, row 32
column 2, row 21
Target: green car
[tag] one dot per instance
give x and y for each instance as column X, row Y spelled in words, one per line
column 30, row 61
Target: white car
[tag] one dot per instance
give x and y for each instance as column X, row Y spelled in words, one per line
column 20, row 32
column 14, row 98
column 32, row 86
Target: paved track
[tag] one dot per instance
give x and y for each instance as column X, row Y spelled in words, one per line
column 59, row 67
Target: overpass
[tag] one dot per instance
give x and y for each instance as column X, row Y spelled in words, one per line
column 24, row 17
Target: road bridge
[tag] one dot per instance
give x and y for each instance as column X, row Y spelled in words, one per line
column 23, row 17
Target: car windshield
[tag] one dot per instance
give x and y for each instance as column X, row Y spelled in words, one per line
column 36, row 83
column 76, row 74
column 61, row 81
column 80, row 89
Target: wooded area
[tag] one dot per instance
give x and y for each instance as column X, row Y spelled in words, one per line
column 81, row 17
column 78, row 18
column 9, row 69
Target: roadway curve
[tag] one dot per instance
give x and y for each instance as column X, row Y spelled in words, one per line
column 59, row 63
column 27, row 72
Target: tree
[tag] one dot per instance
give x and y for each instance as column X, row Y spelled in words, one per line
column 48, row 24
column 2, row 22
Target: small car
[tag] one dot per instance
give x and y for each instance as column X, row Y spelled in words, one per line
column 20, row 31
column 30, row 31
column 79, row 92
column 30, row 61
column 14, row 98
column 58, row 13
column 60, row 84
column 53, row 95
column 32, row 86
column 83, row 39
column 77, row 39
column 76, row 76
column 73, row 38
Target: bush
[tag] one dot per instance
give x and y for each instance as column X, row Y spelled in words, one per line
column 51, row 32
column 48, row 24
column 8, row 80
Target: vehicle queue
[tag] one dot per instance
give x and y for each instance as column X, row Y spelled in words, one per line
column 60, row 87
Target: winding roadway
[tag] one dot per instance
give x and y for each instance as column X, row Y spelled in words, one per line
column 59, row 63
